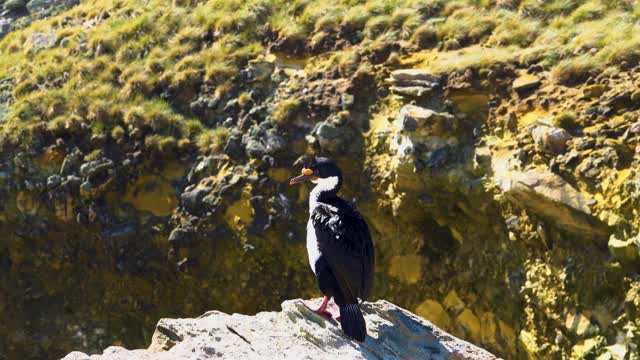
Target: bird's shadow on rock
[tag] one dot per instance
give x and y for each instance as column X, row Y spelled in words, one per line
column 405, row 338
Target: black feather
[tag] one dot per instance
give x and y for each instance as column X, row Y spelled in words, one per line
column 345, row 243
column 352, row 322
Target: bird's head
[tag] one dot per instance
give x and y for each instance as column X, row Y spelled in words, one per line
column 321, row 171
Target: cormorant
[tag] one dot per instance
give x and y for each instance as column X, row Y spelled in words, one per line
column 339, row 245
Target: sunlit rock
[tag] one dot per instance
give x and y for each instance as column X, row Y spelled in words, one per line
column 297, row 333
column 624, row 250
column 548, row 195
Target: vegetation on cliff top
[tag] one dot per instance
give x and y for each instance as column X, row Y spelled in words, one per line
column 117, row 63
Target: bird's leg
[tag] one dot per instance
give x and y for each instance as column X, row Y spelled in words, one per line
column 322, row 310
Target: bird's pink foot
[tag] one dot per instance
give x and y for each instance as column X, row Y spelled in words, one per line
column 324, row 313
column 325, row 309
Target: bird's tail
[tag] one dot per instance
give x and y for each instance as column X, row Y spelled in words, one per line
column 352, row 322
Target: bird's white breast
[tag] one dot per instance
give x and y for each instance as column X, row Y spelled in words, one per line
column 312, row 246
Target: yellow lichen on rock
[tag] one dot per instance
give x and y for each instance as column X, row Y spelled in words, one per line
column 488, row 327
column 240, row 214
column 529, row 343
column 156, row 193
column 577, row 323
column 51, row 159
column 27, row 203
column 406, row 268
column 453, row 302
column 435, row 312
column 470, row 325
column 153, row 194
column 508, row 336
column 64, row 208
column 280, row 174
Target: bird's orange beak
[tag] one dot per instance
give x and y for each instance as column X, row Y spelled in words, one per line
column 307, row 174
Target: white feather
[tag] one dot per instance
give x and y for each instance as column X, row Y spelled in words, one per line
column 312, row 246
column 322, row 184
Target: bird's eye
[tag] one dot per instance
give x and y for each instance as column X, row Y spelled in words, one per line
column 307, row 171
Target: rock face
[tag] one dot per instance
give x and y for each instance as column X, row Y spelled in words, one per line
column 14, row 10
column 413, row 83
column 297, row 333
column 548, row 195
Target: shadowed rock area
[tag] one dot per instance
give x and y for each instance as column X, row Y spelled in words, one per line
column 297, row 333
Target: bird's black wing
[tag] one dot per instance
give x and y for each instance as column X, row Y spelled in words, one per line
column 345, row 243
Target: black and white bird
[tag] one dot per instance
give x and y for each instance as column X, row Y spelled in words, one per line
column 339, row 245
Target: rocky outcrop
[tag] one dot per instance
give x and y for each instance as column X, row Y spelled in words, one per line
column 413, row 83
column 29, row 10
column 297, row 333
column 548, row 195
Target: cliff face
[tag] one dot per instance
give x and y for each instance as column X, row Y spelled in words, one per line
column 296, row 332
column 147, row 146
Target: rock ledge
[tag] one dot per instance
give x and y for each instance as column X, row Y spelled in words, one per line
column 297, row 333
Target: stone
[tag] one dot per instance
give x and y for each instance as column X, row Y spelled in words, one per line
column 274, row 142
column 624, row 250
column 411, row 91
column 404, row 75
column 14, row 5
column 330, row 137
column 35, row 6
column 594, row 91
column 297, row 333
column 192, row 200
column 180, row 237
column 260, row 69
column 425, row 121
column 619, row 101
column 551, row 197
column 255, row 149
column 53, row 181
column 414, row 83
column 5, row 27
column 41, row 41
column 526, row 83
column 550, row 139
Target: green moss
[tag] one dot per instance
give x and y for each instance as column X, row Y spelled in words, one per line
column 285, row 110
column 566, row 120
column 192, row 128
column 425, row 36
column 118, row 133
column 467, row 26
column 588, row 11
column 245, row 100
column 375, row 26
column 94, row 155
column 514, row 30
column 164, row 145
column 570, row 71
column 212, row 141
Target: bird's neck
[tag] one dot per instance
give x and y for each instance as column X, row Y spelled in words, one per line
column 324, row 190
